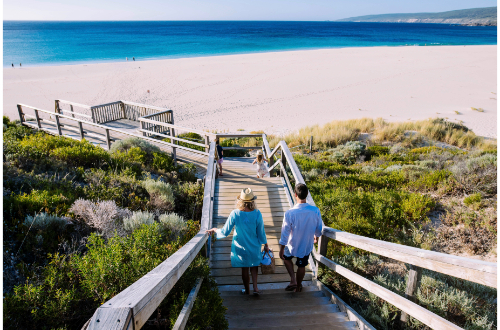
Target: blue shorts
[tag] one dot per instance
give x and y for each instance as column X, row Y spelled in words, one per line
column 300, row 262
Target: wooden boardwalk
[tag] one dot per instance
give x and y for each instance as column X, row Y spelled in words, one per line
column 276, row 308
column 97, row 136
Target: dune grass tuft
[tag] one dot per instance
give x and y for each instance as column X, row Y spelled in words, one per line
column 339, row 132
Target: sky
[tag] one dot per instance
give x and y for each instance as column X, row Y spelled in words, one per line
column 276, row 10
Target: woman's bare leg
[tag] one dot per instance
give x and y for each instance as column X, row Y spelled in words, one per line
column 255, row 271
column 246, row 279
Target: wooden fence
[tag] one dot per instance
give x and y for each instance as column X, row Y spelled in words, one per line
column 473, row 270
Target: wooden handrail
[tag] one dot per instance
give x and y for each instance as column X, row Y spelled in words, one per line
column 75, row 104
column 423, row 315
column 176, row 127
column 235, row 135
column 473, row 270
column 145, row 106
column 158, row 113
column 180, row 324
column 105, row 104
column 115, row 129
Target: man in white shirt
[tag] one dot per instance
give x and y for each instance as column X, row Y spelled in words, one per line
column 302, row 225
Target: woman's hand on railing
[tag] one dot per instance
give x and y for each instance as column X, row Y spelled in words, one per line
column 211, row 231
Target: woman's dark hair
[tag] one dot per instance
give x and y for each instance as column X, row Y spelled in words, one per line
column 216, row 141
column 301, row 191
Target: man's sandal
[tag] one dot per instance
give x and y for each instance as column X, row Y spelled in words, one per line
column 290, row 288
column 257, row 293
column 298, row 289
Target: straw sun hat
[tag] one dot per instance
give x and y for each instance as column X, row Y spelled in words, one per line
column 247, row 195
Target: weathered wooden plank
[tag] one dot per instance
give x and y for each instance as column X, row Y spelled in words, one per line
column 414, row 277
column 111, row 318
column 295, row 170
column 468, row 269
column 207, row 192
column 423, row 315
column 361, row 323
column 173, row 138
column 273, row 278
column 181, row 321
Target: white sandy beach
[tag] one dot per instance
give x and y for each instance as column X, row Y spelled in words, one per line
column 284, row 91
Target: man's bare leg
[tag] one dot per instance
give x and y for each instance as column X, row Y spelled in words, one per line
column 246, row 279
column 301, row 272
column 289, row 268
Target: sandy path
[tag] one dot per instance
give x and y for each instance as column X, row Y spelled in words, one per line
column 284, row 91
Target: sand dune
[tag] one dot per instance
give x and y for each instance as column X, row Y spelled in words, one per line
column 283, row 91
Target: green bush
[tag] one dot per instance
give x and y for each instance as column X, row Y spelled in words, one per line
column 133, row 142
column 83, row 154
column 137, row 219
column 163, row 162
column 377, row 151
column 232, row 153
column 37, row 201
column 348, row 153
column 472, row 199
column 72, row 287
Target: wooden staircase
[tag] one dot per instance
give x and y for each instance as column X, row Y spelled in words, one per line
column 276, row 308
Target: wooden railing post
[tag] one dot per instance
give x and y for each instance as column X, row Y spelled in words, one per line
column 174, row 149
column 39, row 124
column 283, row 164
column 108, row 141
column 71, row 109
column 21, row 114
column 311, row 145
column 207, row 142
column 57, row 109
column 58, row 124
column 414, row 278
column 82, row 133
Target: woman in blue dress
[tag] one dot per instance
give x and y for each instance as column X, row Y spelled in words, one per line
column 248, row 237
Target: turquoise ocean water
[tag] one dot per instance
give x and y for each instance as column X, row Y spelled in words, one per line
column 35, row 43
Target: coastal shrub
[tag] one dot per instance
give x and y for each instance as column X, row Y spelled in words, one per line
column 22, row 205
column 232, row 153
column 191, row 137
column 160, row 189
column 122, row 187
column 72, row 287
column 189, row 200
column 83, row 154
column 377, row 150
column 472, row 199
column 133, row 142
column 348, row 153
column 43, row 220
column 163, row 162
column 477, row 175
column 393, row 168
column 105, row 216
column 173, row 223
column 137, row 219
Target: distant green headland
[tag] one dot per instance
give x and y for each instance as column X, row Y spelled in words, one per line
column 473, row 17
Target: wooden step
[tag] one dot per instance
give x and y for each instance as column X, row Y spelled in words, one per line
column 271, row 291
column 217, row 263
column 279, row 269
column 234, row 301
column 276, row 311
column 261, row 279
column 254, row 302
column 286, row 321
column 348, row 325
